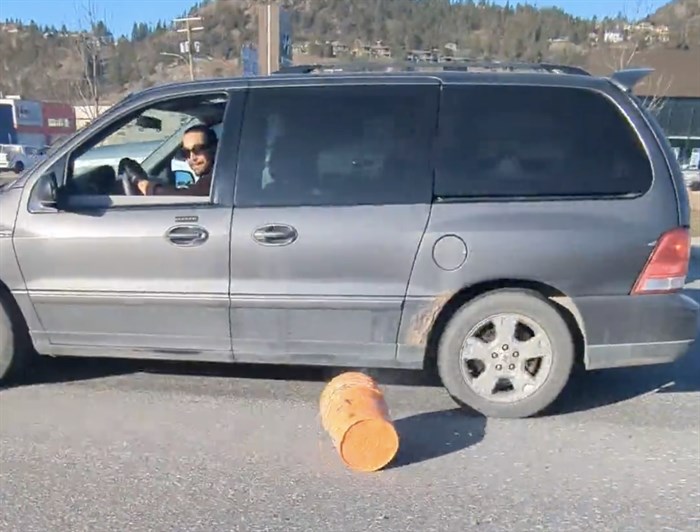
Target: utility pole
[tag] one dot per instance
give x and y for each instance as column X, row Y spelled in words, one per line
column 189, row 30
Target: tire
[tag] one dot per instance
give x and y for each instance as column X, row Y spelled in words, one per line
column 497, row 357
column 19, row 167
column 14, row 345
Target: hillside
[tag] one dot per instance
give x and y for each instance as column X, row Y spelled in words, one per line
column 678, row 12
column 51, row 63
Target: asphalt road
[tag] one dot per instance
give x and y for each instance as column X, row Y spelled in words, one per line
column 107, row 445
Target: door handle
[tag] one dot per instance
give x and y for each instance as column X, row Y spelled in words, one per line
column 275, row 234
column 187, row 235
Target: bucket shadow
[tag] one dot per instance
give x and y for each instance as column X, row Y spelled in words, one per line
column 431, row 435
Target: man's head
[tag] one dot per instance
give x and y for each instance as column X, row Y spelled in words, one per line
column 199, row 147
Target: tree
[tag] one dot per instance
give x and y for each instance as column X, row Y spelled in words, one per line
column 88, row 47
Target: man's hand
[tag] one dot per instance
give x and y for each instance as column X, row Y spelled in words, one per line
column 143, row 186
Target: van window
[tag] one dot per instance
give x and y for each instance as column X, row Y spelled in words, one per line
column 344, row 145
column 517, row 141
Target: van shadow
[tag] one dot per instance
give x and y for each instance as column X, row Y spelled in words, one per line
column 596, row 389
column 589, row 391
column 47, row 370
column 430, row 435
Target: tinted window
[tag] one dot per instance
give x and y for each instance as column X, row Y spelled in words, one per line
column 536, row 141
column 345, row 145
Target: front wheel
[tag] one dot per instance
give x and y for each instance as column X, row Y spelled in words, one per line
column 506, row 354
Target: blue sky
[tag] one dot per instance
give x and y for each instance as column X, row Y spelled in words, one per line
column 121, row 14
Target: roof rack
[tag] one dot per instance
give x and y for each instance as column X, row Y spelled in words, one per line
column 458, row 65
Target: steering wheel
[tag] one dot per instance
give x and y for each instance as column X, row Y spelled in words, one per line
column 129, row 172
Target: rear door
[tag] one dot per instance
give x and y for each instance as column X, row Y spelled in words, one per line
column 333, row 195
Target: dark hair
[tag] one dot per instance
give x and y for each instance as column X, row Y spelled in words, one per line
column 209, row 133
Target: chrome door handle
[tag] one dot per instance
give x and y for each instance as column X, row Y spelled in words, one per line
column 187, row 235
column 275, row 234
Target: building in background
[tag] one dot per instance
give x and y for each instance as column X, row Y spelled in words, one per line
column 274, row 49
column 679, row 116
column 28, row 120
column 84, row 114
column 34, row 123
column 672, row 91
column 59, row 120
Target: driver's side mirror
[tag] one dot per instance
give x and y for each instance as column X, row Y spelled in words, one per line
column 46, row 191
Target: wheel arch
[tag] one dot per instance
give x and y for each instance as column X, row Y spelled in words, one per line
column 559, row 300
column 15, row 312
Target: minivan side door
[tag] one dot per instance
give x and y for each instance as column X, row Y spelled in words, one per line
column 112, row 273
column 333, row 194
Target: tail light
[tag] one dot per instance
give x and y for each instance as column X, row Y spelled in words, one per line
column 667, row 267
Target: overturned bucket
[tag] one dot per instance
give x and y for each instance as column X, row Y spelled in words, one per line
column 356, row 417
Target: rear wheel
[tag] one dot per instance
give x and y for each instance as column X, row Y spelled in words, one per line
column 14, row 345
column 506, row 354
column 19, row 167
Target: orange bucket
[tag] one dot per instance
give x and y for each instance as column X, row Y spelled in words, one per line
column 355, row 415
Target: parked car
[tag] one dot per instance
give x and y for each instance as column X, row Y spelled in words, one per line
column 500, row 225
column 17, row 157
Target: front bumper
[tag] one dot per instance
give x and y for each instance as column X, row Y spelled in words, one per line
column 624, row 331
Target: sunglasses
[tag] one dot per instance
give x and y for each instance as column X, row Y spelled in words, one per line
column 197, row 149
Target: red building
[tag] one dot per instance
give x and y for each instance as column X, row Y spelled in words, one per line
column 59, row 120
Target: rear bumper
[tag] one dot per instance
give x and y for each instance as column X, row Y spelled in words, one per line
column 625, row 331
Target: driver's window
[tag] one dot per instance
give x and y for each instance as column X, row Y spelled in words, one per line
column 147, row 149
column 136, row 140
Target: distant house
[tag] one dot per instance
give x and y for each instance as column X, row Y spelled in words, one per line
column 300, row 48
column 613, row 37
column 339, row 48
column 420, row 55
column 649, row 31
column 452, row 47
column 376, row 50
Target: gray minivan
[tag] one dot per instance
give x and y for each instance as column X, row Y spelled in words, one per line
column 498, row 223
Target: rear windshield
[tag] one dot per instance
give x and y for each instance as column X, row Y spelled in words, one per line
column 530, row 141
column 8, row 148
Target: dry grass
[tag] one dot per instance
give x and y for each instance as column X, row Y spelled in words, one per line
column 695, row 223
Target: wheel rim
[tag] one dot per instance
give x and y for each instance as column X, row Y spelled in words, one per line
column 506, row 358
